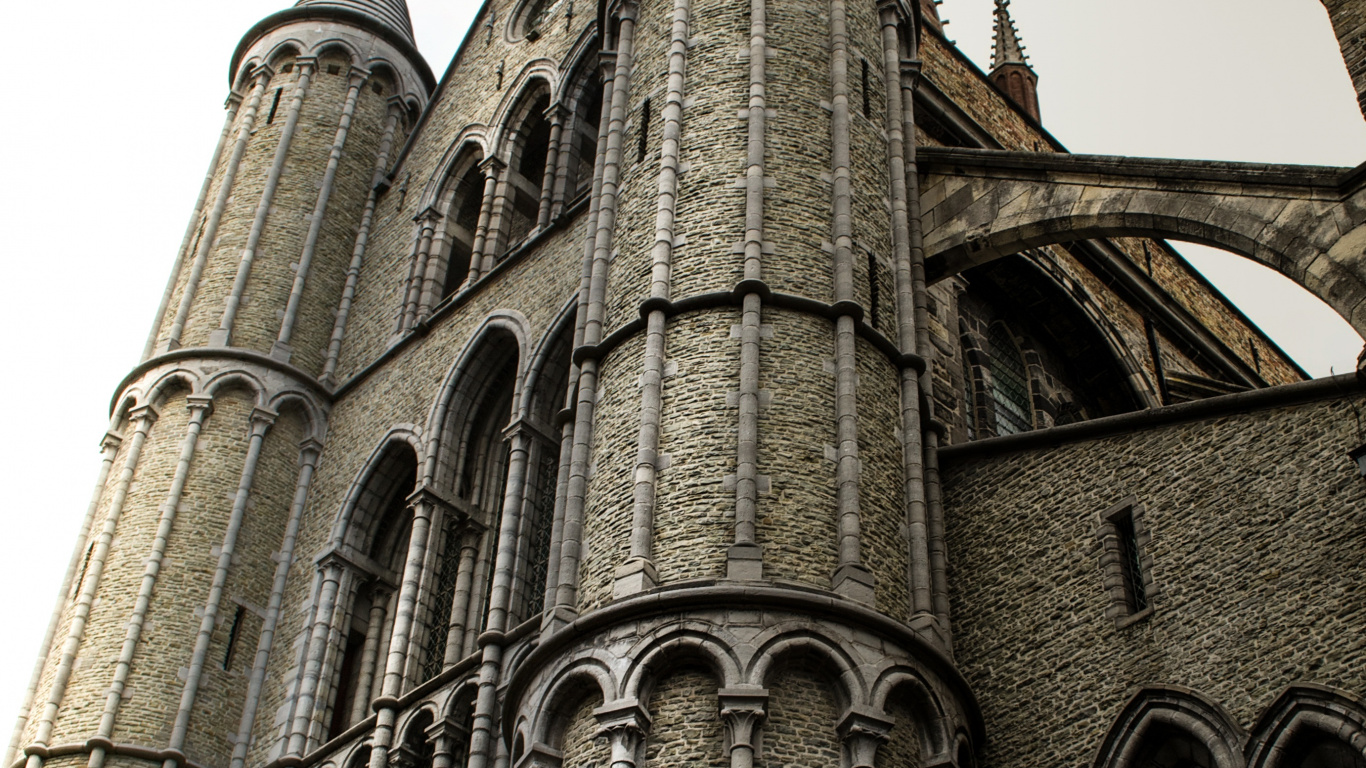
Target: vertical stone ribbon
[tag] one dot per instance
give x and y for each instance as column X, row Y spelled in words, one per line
column 315, row 223
column 912, row 445
column 223, row 336
column 110, row 448
column 142, row 419
column 851, row 579
column 309, row 451
column 570, row 549
column 233, row 104
column 744, row 559
column 561, row 528
column 638, row 574
column 367, row 219
column 199, row 406
column 492, row 169
column 225, row 186
column 261, row 420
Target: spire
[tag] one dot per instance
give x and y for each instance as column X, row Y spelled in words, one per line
column 1006, row 49
column 1010, row 68
column 392, row 14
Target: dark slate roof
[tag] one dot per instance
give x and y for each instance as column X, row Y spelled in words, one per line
column 391, row 13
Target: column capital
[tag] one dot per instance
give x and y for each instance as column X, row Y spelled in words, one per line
column 624, row 724
column 111, row 441
column 442, row 732
column 863, row 730
column 234, row 99
column 607, row 64
column 357, row 76
column 742, row 709
column 426, row 498
column 627, row 9
column 428, row 217
column 200, row 404
column 910, row 72
column 309, row 450
column 263, row 73
column 492, row 165
column 541, row 756
column 306, row 64
column 262, row 417
column 145, row 413
column 556, row 112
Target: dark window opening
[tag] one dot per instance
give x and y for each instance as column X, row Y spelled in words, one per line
column 528, row 174
column 346, row 686
column 334, row 69
column 867, row 97
column 274, row 106
column 873, row 290
column 461, row 222
column 644, row 131
column 232, row 636
column 539, row 546
column 586, row 119
column 440, row 624
column 1009, row 383
column 1130, row 564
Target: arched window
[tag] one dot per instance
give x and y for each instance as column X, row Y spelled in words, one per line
column 461, row 219
column 582, row 145
column 1009, row 382
column 526, row 175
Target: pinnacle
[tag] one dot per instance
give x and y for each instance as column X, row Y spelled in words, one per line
column 1007, row 48
column 391, row 13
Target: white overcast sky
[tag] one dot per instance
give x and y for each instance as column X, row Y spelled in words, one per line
column 113, row 107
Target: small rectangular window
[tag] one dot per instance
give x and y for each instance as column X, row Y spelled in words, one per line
column 867, row 95
column 1125, row 564
column 644, row 130
column 274, row 106
column 233, row 632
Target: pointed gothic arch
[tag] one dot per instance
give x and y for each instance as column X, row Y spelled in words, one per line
column 1310, row 726
column 1171, row 727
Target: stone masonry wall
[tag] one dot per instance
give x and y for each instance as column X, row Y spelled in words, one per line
column 800, row 727
column 686, row 729
column 1255, row 520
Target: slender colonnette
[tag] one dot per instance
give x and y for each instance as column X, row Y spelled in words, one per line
column 223, row 336
column 744, row 559
column 851, row 578
column 209, row 236
column 315, row 224
column 638, row 574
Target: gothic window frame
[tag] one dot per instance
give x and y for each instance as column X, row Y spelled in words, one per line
column 464, row 184
column 1124, row 546
column 1011, row 385
column 517, row 210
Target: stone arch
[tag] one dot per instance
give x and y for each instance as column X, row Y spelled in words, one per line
column 413, row 744
column 524, row 139
column 789, row 641
column 984, row 204
column 669, row 646
column 473, row 138
column 459, row 201
column 313, row 415
column 934, row 724
column 237, row 378
column 357, row 757
column 1310, row 726
column 580, row 96
column 464, row 379
column 345, row 48
column 374, row 484
column 170, row 381
column 566, row 689
column 1158, row 716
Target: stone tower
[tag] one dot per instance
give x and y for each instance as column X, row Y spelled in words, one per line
column 710, row 382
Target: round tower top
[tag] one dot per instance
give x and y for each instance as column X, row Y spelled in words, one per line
column 386, row 19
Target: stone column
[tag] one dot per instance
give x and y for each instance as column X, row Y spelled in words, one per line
column 261, row 421
column 234, row 102
column 742, row 710
column 426, row 221
column 223, row 336
column 624, row 725
column 493, row 169
column 369, row 655
column 309, row 451
column 142, row 419
column 460, row 601
column 498, row 203
column 367, row 219
column 209, row 236
column 851, row 579
column 281, row 349
column 445, row 735
column 386, row 706
column 862, row 731
column 557, row 115
column 110, row 448
column 567, row 591
column 200, row 407
column 332, row 568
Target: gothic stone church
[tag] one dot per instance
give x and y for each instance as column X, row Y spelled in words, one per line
column 716, row 383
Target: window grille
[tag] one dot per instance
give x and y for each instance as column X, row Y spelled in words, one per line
column 440, row 625
column 1130, row 564
column 1009, row 383
column 542, row 520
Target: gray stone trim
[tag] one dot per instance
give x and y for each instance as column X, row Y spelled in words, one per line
column 1303, row 709
column 1344, row 386
column 209, row 235
column 281, row 348
column 1123, row 607
column 200, row 407
column 1173, row 707
column 223, row 336
column 234, row 102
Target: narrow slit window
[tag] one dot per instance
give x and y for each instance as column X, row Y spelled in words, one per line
column 274, row 106
column 233, row 633
column 867, row 95
column 644, row 130
column 873, row 290
column 1130, row 564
